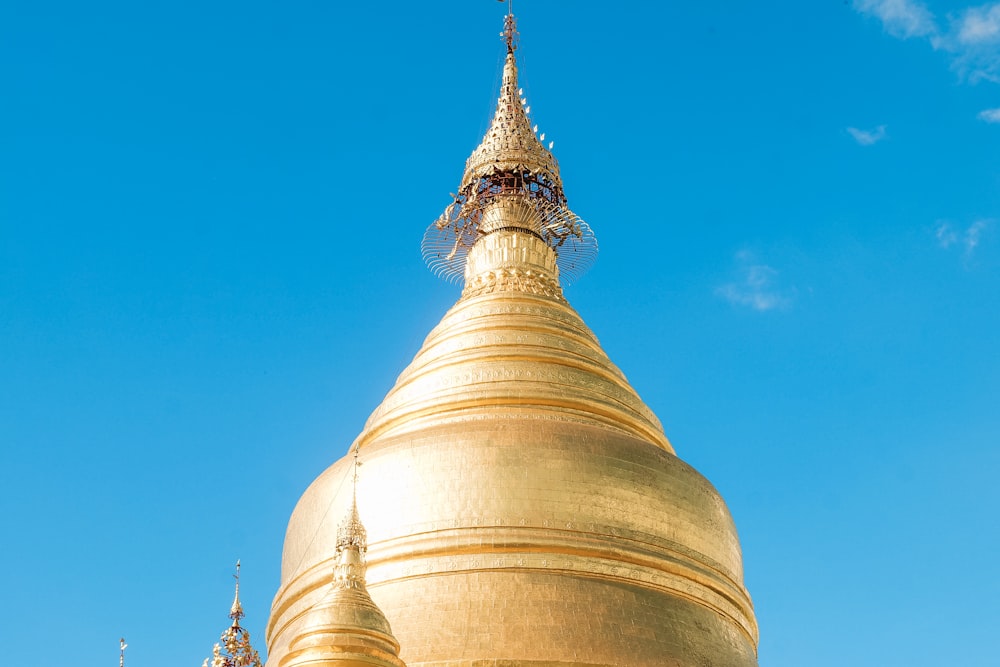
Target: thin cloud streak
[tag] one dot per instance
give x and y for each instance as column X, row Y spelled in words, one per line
column 867, row 137
column 756, row 287
column 990, row 115
column 980, row 25
column 974, row 234
column 971, row 38
column 900, row 18
column 967, row 239
column 946, row 235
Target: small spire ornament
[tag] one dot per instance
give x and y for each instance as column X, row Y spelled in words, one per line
column 235, row 649
column 352, row 542
column 123, row 646
column 345, row 628
column 509, row 33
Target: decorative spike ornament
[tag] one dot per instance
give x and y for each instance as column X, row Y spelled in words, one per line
column 352, row 542
column 345, row 628
column 235, row 649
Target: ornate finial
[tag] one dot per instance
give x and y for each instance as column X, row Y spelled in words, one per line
column 236, row 611
column 350, row 532
column 510, row 29
column 510, row 163
column 235, row 649
column 352, row 542
column 121, row 658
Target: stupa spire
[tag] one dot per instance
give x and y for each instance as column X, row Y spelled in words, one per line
column 235, row 649
column 236, row 610
column 352, row 541
column 509, row 33
column 511, row 170
column 346, row 628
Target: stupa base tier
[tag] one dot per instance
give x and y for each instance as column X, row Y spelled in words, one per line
column 517, row 619
column 500, row 534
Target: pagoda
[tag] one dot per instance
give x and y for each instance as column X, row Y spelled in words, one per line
column 522, row 505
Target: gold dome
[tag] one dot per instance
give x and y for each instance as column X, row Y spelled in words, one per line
column 523, row 505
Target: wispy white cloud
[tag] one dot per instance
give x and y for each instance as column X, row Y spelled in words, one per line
column 974, row 234
column 946, row 235
column 756, row 286
column 867, row 137
column 973, row 40
column 970, row 36
column 980, row 25
column 990, row 115
column 900, row 18
column 968, row 239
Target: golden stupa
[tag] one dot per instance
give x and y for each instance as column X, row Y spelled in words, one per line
column 346, row 628
column 522, row 504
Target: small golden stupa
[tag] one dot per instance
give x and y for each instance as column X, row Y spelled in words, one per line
column 523, row 505
column 346, row 628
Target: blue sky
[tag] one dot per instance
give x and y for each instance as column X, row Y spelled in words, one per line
column 210, row 220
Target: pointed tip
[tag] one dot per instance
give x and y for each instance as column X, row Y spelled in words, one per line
column 352, row 542
column 236, row 611
column 351, row 532
column 236, row 648
column 510, row 32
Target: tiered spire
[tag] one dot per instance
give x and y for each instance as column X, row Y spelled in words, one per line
column 352, row 543
column 346, row 628
column 236, row 649
column 511, row 162
column 236, row 610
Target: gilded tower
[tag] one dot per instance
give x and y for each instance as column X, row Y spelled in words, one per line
column 522, row 504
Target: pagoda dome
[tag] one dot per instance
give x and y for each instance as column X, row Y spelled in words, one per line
column 504, row 526
column 523, row 505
